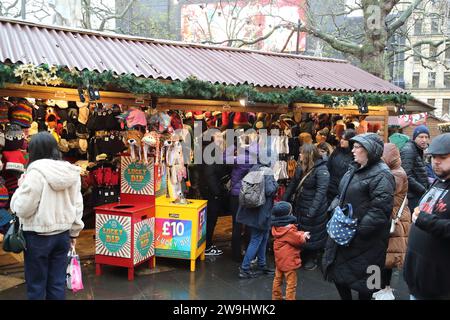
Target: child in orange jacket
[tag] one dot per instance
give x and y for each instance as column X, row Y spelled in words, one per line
column 286, row 246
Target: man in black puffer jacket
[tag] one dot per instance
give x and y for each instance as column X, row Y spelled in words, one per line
column 369, row 187
column 413, row 163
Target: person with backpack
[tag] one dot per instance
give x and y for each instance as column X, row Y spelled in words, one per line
column 256, row 196
column 308, row 193
column 286, row 246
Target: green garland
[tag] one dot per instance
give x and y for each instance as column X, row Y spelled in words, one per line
column 191, row 88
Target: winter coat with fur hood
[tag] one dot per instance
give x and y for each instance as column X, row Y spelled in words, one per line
column 49, row 199
column 398, row 241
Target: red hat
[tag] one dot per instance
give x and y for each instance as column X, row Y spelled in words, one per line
column 4, row 197
column 240, row 120
column 14, row 160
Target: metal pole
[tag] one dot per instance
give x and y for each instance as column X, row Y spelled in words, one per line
column 298, row 36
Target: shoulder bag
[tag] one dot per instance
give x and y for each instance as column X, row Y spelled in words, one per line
column 14, row 240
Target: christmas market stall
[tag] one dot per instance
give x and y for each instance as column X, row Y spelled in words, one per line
column 125, row 109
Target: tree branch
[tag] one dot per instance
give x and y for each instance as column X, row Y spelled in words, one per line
column 403, row 18
column 116, row 16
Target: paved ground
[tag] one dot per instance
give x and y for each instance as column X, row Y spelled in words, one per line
column 215, row 278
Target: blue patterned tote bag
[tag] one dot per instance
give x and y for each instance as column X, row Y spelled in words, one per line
column 342, row 227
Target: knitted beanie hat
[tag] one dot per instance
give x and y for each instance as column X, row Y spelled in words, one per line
column 3, row 194
column 419, row 130
column 4, row 108
column 282, row 208
column 14, row 160
column 14, row 137
column 21, row 113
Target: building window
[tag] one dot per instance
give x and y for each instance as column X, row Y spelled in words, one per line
column 447, row 79
column 418, row 52
column 431, row 79
column 446, row 106
column 433, row 53
column 434, row 25
column 431, row 102
column 416, row 79
column 418, row 27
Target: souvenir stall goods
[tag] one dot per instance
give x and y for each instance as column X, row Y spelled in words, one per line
column 125, row 230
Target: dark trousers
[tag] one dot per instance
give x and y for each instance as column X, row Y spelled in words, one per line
column 212, row 213
column 45, row 265
column 236, row 230
column 346, row 293
column 386, row 276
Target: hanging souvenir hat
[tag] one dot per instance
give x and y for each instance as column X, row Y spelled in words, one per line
column 14, row 160
column 175, row 121
column 14, row 137
column 83, row 115
column 62, row 104
column 240, row 121
column 1, row 164
column 72, row 114
column 33, row 129
column 83, row 145
column 21, row 113
column 82, row 104
column 51, row 119
column 63, row 145
column 2, row 140
column 198, row 115
column 4, row 108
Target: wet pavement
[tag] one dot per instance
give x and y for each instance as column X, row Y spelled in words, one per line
column 216, row 278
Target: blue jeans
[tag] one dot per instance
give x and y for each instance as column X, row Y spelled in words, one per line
column 45, row 265
column 256, row 248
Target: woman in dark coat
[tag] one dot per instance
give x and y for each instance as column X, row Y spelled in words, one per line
column 370, row 191
column 310, row 201
column 338, row 163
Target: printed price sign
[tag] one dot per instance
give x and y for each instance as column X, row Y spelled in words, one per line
column 173, row 238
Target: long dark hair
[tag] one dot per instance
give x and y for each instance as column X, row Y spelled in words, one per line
column 43, row 146
column 310, row 155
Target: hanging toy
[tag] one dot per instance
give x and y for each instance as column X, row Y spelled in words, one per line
column 150, row 144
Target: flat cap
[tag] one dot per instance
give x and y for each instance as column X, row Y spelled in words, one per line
column 440, row 145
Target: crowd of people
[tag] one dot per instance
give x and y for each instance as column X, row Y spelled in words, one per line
column 401, row 208
column 402, row 214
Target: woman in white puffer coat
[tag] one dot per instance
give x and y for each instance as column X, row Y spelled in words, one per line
column 49, row 205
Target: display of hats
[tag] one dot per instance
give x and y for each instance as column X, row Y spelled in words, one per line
column 175, row 121
column 51, row 119
column 240, row 121
column 4, row 108
column 61, row 104
column 82, row 104
column 14, row 137
column 2, row 139
column 62, row 114
column 63, row 145
column 33, row 129
column 40, row 111
column 82, row 131
column 72, row 114
column 83, row 115
column 14, row 160
column 1, row 163
column 83, row 144
column 21, row 113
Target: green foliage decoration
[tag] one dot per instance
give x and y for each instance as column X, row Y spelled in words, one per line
column 194, row 88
